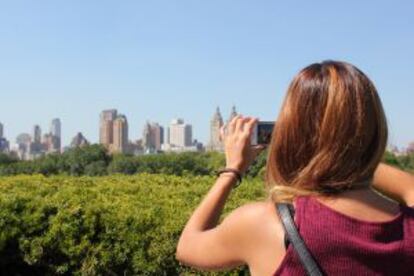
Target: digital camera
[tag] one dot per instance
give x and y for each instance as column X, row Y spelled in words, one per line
column 262, row 133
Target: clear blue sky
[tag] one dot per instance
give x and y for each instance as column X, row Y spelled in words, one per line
column 162, row 59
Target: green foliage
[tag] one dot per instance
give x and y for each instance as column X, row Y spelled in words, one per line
column 73, row 162
column 97, row 168
column 111, row 225
column 6, row 159
column 405, row 162
column 94, row 161
column 178, row 164
column 257, row 169
column 123, row 164
column 391, row 159
column 76, row 160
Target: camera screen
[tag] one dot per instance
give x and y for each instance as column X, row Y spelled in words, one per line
column 264, row 133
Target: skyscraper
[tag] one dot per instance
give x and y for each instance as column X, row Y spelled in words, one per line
column 216, row 123
column 168, row 136
column 37, row 134
column 153, row 137
column 4, row 144
column 106, row 127
column 181, row 134
column 56, row 128
column 51, row 143
column 120, row 135
column 56, row 134
column 23, row 143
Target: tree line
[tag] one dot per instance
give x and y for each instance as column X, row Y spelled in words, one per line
column 94, row 160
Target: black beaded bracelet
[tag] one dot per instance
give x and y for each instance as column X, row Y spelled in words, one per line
column 235, row 172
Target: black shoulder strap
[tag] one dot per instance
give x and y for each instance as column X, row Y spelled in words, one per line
column 308, row 262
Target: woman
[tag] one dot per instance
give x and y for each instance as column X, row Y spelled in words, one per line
column 324, row 157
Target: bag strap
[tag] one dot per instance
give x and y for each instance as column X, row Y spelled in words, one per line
column 292, row 233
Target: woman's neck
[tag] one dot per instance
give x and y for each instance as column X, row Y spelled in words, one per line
column 360, row 200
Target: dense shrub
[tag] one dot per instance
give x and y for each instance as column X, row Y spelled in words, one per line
column 112, row 225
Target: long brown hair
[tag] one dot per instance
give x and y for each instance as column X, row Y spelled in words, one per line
column 330, row 135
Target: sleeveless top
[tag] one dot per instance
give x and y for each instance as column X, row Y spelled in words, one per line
column 343, row 245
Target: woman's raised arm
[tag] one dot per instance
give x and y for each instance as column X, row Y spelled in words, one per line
column 395, row 183
column 203, row 243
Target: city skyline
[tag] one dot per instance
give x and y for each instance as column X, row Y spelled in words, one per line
column 168, row 60
column 117, row 138
column 111, row 114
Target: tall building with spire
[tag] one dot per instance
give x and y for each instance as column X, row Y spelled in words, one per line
column 216, row 123
column 215, row 143
column 233, row 113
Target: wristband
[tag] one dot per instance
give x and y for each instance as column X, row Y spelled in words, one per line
column 235, row 172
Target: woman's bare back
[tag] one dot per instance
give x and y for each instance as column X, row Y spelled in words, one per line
column 269, row 251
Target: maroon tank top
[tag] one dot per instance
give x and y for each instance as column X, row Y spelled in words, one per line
column 343, row 245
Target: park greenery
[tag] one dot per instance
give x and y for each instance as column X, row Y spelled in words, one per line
column 110, row 225
column 95, row 161
column 85, row 212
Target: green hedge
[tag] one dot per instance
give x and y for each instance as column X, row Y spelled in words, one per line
column 111, row 225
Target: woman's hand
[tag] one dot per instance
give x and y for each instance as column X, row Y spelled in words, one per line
column 237, row 142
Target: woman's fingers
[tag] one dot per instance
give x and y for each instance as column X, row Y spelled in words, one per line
column 242, row 126
column 239, row 124
column 250, row 124
column 222, row 133
column 232, row 125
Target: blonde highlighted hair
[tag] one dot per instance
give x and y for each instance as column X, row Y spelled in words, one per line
column 330, row 135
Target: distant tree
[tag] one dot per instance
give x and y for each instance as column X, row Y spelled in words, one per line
column 407, row 162
column 76, row 160
column 122, row 164
column 47, row 165
column 98, row 168
column 391, row 159
column 6, row 159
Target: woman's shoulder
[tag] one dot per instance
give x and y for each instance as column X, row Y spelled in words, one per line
column 260, row 221
column 257, row 211
column 263, row 235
